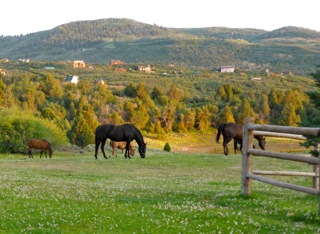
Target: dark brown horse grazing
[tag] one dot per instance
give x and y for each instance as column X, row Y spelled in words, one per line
column 234, row 131
column 43, row 145
column 125, row 132
column 120, row 145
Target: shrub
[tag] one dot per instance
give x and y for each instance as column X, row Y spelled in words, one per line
column 167, row 147
column 17, row 127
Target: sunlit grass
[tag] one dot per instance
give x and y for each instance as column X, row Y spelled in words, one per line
column 163, row 193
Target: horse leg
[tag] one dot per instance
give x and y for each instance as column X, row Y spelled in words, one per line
column 127, row 152
column 30, row 153
column 96, row 149
column 114, row 151
column 235, row 146
column 225, row 145
column 103, row 143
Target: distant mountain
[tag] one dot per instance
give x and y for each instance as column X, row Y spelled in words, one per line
column 289, row 34
column 99, row 41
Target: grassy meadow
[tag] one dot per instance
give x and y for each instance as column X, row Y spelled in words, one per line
column 163, row 193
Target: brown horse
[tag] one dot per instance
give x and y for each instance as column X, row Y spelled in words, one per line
column 43, row 145
column 120, row 145
column 234, row 131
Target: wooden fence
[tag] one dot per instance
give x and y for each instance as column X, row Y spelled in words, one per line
column 278, row 131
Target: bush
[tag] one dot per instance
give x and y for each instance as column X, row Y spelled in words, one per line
column 17, row 127
column 167, row 147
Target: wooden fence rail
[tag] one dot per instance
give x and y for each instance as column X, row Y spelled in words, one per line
column 277, row 131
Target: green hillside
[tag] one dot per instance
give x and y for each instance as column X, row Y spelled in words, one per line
column 99, row 41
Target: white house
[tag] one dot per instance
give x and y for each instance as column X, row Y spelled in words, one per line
column 227, row 68
column 72, row 79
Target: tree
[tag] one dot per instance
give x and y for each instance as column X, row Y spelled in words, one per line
column 175, row 93
column 203, row 118
column 314, row 119
column 167, row 147
column 289, row 116
column 141, row 91
column 2, row 91
column 18, row 126
column 52, row 87
column 244, row 111
column 80, row 133
column 156, row 92
column 130, row 90
column 226, row 115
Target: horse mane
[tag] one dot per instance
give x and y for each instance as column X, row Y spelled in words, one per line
column 139, row 139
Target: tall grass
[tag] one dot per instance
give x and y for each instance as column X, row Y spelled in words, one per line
column 163, row 193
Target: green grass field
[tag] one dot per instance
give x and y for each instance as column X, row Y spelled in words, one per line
column 163, row 193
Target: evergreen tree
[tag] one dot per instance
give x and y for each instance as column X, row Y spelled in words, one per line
column 156, row 92
column 52, row 87
column 80, row 133
column 314, row 119
column 167, row 147
column 141, row 91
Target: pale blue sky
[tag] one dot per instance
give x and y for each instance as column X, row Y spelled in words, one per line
column 28, row 16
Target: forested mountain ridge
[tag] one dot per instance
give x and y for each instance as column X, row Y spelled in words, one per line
column 99, row 41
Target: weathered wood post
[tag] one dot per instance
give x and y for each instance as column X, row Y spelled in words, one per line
column 316, row 179
column 247, row 142
column 315, row 182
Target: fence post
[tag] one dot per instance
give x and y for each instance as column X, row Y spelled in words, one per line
column 247, row 142
column 318, row 181
column 315, row 182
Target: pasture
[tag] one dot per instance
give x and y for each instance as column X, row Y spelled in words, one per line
column 162, row 193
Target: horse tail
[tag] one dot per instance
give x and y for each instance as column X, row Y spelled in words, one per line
column 220, row 128
column 50, row 149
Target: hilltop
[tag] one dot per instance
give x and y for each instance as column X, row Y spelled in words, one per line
column 99, row 41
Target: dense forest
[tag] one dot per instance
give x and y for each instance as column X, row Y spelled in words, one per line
column 99, row 41
column 37, row 102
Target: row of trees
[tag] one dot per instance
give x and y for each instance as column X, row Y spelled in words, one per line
column 76, row 110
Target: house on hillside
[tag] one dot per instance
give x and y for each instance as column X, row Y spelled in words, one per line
column 227, row 69
column 24, row 60
column 115, row 62
column 146, row 69
column 72, row 79
column 4, row 60
column 78, row 64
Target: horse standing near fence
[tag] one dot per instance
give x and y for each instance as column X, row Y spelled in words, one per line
column 125, row 132
column 120, row 145
column 43, row 145
column 234, row 131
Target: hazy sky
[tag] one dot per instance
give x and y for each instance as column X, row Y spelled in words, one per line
column 28, row 16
